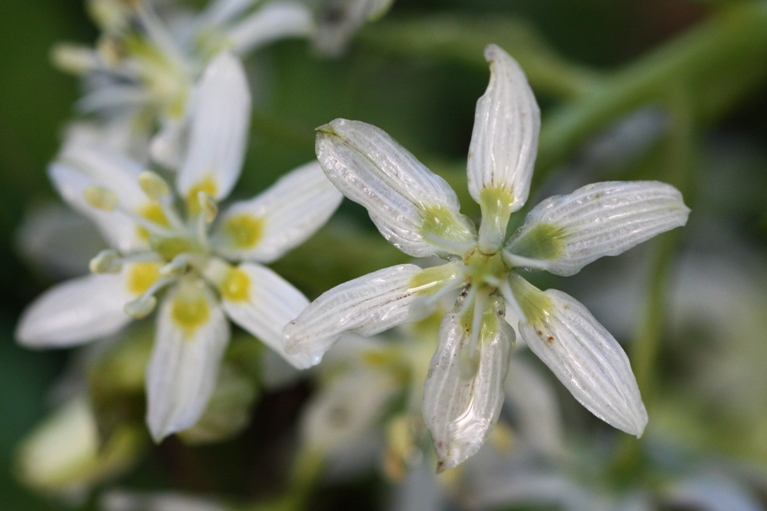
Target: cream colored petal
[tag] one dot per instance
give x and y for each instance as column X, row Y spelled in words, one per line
column 219, row 131
column 262, row 302
column 504, row 142
column 284, row 216
column 566, row 232
column 192, row 333
column 461, row 406
column 414, row 209
column 587, row 360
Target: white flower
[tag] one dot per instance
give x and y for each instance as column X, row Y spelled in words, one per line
column 418, row 213
column 145, row 67
column 338, row 20
column 210, row 275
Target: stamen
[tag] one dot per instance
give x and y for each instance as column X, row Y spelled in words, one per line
column 508, row 295
column 145, row 304
column 106, row 261
column 424, row 306
column 153, row 185
column 208, row 206
column 177, row 267
column 140, row 307
column 516, row 261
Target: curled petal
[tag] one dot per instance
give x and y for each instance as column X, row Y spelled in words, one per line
column 505, row 137
column 262, row 303
column 368, row 305
column 192, row 333
column 273, row 21
column 414, row 209
column 264, row 228
column 461, row 406
column 586, row 359
column 218, row 133
column 564, row 233
column 74, row 312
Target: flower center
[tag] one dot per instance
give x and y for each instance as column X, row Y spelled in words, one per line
column 486, row 270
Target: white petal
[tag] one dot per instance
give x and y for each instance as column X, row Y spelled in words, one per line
column 566, row 232
column 405, row 200
column 504, row 142
column 368, row 305
column 108, row 169
column 117, row 228
column 262, row 303
column 192, row 333
column 461, row 409
column 587, row 360
column 219, row 130
column 274, row 21
column 265, row 227
column 75, row 312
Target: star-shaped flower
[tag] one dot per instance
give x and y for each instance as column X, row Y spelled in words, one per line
column 418, row 212
column 209, row 275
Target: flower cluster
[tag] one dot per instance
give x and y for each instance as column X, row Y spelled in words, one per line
column 418, row 212
column 211, row 263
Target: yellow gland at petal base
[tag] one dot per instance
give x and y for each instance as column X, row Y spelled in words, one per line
column 154, row 213
column 190, row 312
column 141, row 276
column 244, row 230
column 236, row 286
column 533, row 303
column 442, row 223
column 543, row 241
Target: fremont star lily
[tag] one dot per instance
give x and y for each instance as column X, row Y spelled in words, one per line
column 210, row 275
column 418, row 212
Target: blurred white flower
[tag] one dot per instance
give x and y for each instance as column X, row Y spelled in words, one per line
column 143, row 72
column 338, row 20
column 119, row 500
column 418, row 212
column 211, row 275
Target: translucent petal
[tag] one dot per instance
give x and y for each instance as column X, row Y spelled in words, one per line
column 74, row 312
column 265, row 227
column 461, row 408
column 192, row 333
column 273, row 21
column 219, row 130
column 368, row 305
column 267, row 304
column 504, row 142
column 414, row 209
column 566, row 232
column 587, row 360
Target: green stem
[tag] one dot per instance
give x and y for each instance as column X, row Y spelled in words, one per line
column 720, row 59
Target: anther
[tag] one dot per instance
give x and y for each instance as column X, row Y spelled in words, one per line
column 153, row 185
column 106, row 261
column 141, row 307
